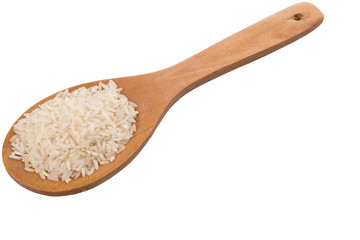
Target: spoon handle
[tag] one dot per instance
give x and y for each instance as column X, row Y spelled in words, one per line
column 254, row 42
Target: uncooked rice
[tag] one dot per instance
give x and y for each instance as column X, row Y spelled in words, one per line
column 75, row 133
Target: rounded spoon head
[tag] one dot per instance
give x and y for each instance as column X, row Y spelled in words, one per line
column 150, row 113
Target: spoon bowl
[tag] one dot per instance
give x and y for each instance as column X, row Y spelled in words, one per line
column 156, row 92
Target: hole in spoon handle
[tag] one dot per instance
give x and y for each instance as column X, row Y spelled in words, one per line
column 297, row 16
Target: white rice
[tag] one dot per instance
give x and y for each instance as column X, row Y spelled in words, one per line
column 75, row 133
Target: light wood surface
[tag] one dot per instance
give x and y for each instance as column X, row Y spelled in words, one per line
column 156, row 92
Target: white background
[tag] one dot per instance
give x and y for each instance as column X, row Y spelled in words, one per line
column 268, row 151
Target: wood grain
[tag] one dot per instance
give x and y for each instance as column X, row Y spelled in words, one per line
column 156, row 92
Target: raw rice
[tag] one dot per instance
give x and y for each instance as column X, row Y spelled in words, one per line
column 75, row 133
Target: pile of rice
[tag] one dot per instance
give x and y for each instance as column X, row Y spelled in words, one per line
column 74, row 133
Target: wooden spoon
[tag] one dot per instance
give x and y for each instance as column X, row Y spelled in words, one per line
column 156, row 92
